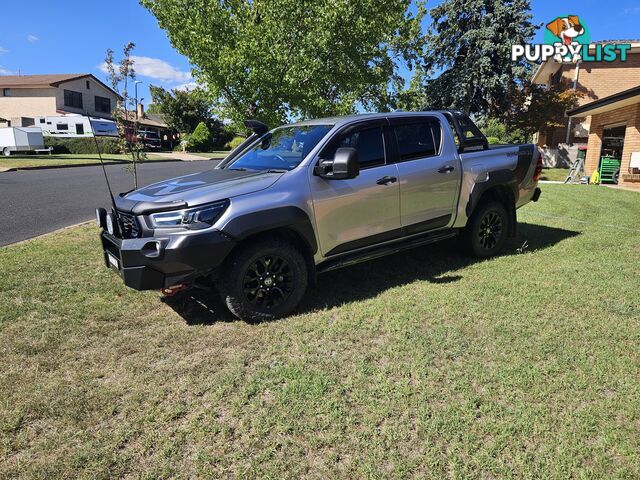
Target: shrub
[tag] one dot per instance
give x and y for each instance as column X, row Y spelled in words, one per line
column 235, row 141
column 493, row 140
column 83, row 145
column 200, row 139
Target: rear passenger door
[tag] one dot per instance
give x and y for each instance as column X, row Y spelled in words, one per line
column 429, row 173
column 361, row 211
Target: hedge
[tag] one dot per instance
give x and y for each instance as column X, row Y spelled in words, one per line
column 83, row 144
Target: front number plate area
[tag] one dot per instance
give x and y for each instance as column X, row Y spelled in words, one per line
column 113, row 262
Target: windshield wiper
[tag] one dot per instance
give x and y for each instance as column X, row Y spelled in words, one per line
column 275, row 170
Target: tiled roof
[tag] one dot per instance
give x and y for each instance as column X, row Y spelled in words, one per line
column 38, row 80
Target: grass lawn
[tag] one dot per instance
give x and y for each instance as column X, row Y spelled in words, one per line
column 556, row 174
column 22, row 161
column 425, row 364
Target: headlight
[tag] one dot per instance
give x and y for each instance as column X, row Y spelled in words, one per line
column 195, row 218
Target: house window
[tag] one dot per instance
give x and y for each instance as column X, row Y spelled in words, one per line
column 72, row 99
column 79, row 128
column 6, row 92
column 103, row 104
column 88, row 85
column 62, row 126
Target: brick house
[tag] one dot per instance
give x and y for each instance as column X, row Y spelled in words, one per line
column 614, row 131
column 602, row 121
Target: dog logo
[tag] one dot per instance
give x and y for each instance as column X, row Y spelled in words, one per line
column 568, row 39
column 567, row 29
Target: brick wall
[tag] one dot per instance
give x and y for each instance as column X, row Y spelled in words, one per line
column 629, row 115
column 595, row 80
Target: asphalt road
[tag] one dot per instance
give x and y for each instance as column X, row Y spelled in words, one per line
column 33, row 202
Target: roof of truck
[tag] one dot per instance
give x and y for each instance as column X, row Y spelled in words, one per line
column 362, row 116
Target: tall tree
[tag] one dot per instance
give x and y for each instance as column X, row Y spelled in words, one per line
column 183, row 110
column 276, row 59
column 120, row 75
column 469, row 47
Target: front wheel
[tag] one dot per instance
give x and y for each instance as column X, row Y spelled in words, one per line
column 264, row 280
column 485, row 234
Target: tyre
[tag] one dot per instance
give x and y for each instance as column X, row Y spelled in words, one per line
column 485, row 234
column 6, row 152
column 264, row 280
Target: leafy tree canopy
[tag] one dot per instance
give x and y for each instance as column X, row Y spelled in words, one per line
column 277, row 59
column 183, row 110
column 469, row 49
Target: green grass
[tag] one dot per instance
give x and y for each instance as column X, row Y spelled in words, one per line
column 556, row 174
column 424, row 364
column 23, row 161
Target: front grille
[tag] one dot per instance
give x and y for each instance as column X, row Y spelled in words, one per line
column 129, row 225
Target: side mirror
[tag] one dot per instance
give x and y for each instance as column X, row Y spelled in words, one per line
column 345, row 165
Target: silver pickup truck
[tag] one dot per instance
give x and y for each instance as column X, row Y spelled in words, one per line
column 314, row 196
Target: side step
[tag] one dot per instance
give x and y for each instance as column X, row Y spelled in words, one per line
column 377, row 251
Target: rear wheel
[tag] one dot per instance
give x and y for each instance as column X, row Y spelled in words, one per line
column 6, row 151
column 485, row 234
column 265, row 280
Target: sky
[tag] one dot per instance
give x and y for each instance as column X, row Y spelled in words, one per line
column 71, row 36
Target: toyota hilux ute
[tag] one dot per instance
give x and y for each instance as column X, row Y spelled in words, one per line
column 314, row 196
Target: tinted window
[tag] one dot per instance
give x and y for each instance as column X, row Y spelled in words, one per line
column 62, row 126
column 72, row 99
column 79, row 128
column 282, row 149
column 418, row 140
column 368, row 142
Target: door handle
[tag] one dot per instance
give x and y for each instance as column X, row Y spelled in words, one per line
column 386, row 180
column 446, row 169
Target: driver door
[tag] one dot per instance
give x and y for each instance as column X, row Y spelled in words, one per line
column 362, row 211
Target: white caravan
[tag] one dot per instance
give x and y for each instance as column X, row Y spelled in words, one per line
column 20, row 139
column 74, row 126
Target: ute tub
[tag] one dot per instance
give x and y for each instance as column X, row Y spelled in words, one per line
column 156, row 263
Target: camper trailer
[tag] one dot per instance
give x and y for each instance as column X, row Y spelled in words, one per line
column 20, row 139
column 73, row 126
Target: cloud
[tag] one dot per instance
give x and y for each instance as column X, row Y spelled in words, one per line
column 631, row 11
column 4, row 71
column 32, row 38
column 156, row 69
column 3, row 50
column 188, row 86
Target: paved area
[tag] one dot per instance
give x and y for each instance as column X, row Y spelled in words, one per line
column 184, row 156
column 40, row 201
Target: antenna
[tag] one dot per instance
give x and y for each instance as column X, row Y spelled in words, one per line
column 104, row 170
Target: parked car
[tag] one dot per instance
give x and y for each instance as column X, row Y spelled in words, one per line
column 20, row 139
column 314, row 196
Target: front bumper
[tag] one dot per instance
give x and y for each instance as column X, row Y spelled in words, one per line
column 154, row 263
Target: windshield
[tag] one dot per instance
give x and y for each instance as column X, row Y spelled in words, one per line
column 281, row 149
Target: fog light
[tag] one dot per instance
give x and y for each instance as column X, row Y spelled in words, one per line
column 101, row 213
column 109, row 222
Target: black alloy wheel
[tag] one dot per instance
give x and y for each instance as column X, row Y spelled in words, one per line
column 268, row 282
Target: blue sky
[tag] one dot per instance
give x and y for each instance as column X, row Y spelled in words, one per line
column 71, row 36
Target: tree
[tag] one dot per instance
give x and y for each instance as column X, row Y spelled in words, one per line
column 469, row 43
column 183, row 110
column 120, row 75
column 277, row 59
column 200, row 139
column 539, row 107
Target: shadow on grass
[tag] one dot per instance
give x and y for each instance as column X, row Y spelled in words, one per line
column 438, row 263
